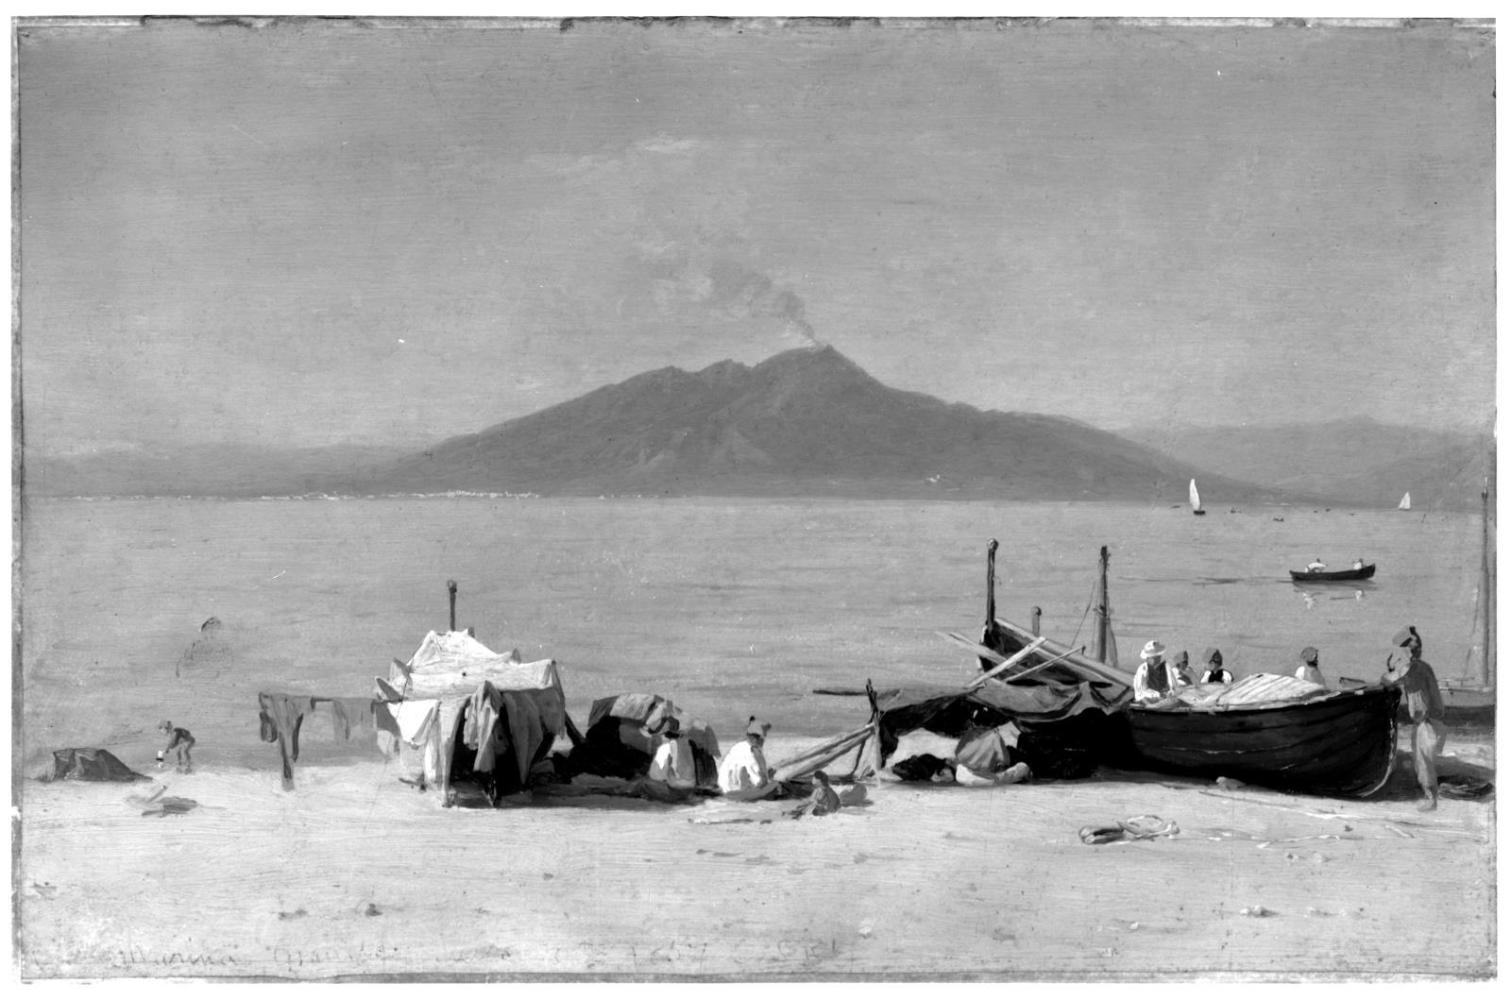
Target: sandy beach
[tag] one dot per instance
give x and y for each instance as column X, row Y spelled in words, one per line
column 354, row 874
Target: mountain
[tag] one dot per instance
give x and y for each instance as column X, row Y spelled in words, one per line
column 805, row 422
column 1358, row 462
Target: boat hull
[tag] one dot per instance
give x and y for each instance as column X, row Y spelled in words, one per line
column 1341, row 745
column 1323, row 576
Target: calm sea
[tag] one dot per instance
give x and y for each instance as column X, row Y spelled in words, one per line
column 730, row 607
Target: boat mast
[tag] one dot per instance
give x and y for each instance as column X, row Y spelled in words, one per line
column 1487, row 592
column 991, row 633
column 1104, row 646
column 991, row 583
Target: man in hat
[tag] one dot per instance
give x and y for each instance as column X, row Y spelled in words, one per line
column 1422, row 704
column 1308, row 670
column 1214, row 672
column 673, row 761
column 743, row 773
column 1316, row 565
column 1153, row 680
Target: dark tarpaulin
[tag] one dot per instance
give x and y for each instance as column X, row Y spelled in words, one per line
column 1066, row 724
column 615, row 747
column 88, row 764
column 928, row 707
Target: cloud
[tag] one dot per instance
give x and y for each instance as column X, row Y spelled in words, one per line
column 665, row 145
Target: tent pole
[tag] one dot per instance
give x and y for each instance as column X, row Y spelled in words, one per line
column 875, row 741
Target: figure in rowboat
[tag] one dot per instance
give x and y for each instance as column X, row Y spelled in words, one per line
column 1154, row 680
column 1308, row 670
column 1214, row 672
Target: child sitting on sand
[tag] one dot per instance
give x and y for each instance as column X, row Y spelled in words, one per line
column 182, row 741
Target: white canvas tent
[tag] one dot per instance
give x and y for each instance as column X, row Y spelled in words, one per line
column 452, row 675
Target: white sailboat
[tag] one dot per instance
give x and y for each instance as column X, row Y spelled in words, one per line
column 1405, row 503
column 1196, row 500
column 1471, row 699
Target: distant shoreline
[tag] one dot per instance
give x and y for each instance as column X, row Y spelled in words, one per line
column 974, row 497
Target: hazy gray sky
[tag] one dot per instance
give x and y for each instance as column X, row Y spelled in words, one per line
column 321, row 233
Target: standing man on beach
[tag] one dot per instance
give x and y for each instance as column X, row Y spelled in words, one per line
column 1422, row 702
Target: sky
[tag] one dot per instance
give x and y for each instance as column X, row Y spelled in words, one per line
column 303, row 235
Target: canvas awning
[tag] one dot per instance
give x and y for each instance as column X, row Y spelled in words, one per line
column 452, row 674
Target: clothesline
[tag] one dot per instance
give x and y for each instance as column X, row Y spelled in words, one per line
column 281, row 716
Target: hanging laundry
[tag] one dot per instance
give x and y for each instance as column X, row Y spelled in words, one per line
column 482, row 725
column 527, row 728
column 285, row 713
column 349, row 712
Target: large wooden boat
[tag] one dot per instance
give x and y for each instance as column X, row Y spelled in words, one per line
column 1328, row 575
column 1338, row 743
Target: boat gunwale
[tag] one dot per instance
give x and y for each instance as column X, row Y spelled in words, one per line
column 1331, row 698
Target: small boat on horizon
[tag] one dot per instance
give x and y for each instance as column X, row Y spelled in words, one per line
column 1405, row 503
column 1196, row 500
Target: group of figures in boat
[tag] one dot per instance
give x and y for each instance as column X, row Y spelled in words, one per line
column 1283, row 731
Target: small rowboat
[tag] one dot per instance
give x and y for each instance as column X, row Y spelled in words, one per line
column 1325, row 575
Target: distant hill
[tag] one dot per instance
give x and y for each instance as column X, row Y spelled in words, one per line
column 805, row 422
column 201, row 470
column 1358, row 462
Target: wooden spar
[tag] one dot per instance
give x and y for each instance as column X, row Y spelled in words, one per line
column 832, row 749
column 875, row 739
column 975, row 647
column 1002, row 662
column 1036, row 667
column 1008, row 663
column 815, row 758
column 451, row 590
column 1098, row 671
